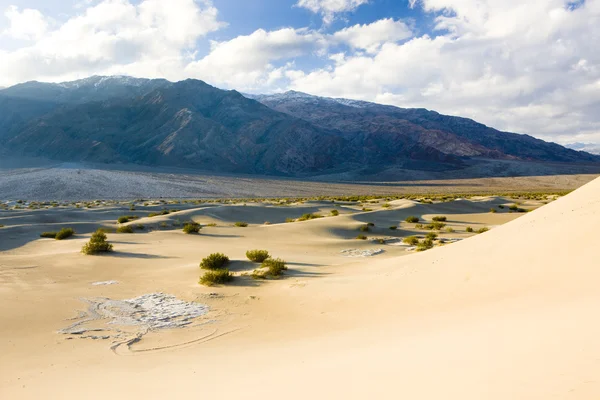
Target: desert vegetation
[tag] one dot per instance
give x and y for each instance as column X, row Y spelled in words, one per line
column 412, row 219
column 361, row 237
column 216, row 277
column 257, row 255
column 64, row 233
column 214, row 261
column 98, row 244
column 440, row 219
column 240, row 224
column 125, row 229
column 307, row 217
column 191, row 228
column 411, row 240
column 271, row 268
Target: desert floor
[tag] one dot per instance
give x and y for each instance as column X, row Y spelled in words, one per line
column 506, row 314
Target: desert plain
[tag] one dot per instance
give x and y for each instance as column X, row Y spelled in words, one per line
column 507, row 313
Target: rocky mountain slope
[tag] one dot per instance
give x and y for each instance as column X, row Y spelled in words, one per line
column 194, row 125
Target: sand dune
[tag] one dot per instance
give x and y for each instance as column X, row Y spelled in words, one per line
column 510, row 314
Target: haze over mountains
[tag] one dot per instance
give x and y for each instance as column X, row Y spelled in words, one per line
column 190, row 124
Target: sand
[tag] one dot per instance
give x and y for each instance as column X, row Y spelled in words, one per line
column 508, row 314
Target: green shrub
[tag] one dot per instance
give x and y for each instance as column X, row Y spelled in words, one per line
column 440, row 219
column 370, row 224
column 412, row 219
column 493, row 210
column 386, row 205
column 449, row 230
column 425, row 245
column 241, row 224
column 380, row 241
column 361, row 237
column 214, row 261
column 483, row 230
column 411, row 240
column 310, row 216
column 64, row 233
column 97, row 244
column 270, row 268
column 257, row 255
column 212, row 225
column 191, row 227
column 289, row 220
column 140, row 227
column 123, row 219
column 335, row 213
column 431, row 236
column 367, row 209
column 49, row 235
column 435, row 226
column 393, row 228
column 469, row 229
column 125, row 229
column 216, row 277
column 364, row 228
column 501, row 207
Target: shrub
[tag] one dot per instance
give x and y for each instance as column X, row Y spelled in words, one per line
column 431, row 236
column 212, row 225
column 125, row 229
column 364, row 228
column 435, row 225
column 270, row 268
column 469, row 229
column 257, row 255
column 140, row 227
column 361, row 237
column 393, row 228
column 367, row 209
column 370, row 224
column 483, row 230
column 123, row 219
column 449, row 230
column 335, row 213
column 191, row 227
column 440, row 219
column 380, row 241
column 386, row 205
column 214, row 261
column 241, row 224
column 501, row 207
column 97, row 244
column 425, row 245
column 419, row 226
column 411, row 240
column 307, row 217
column 288, row 220
column 64, row 233
column 49, row 235
column 216, row 277
column 412, row 219
column 493, row 210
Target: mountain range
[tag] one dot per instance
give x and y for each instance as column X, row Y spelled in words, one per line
column 190, row 124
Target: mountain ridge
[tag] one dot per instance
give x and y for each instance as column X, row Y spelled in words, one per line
column 192, row 124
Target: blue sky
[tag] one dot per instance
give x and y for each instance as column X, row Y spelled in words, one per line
column 530, row 67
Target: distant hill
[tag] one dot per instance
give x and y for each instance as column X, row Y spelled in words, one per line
column 194, row 125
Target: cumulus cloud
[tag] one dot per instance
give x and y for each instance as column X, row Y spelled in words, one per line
column 529, row 67
column 370, row 37
column 149, row 38
column 329, row 8
column 28, row 24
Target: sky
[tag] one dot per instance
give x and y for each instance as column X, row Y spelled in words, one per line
column 522, row 66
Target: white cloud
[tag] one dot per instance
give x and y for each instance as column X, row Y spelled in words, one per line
column 28, row 24
column 151, row 38
column 246, row 62
column 370, row 37
column 329, row 8
column 530, row 67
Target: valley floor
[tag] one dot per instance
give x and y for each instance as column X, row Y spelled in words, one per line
column 506, row 314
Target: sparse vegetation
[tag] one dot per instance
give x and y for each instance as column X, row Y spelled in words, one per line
column 483, row 230
column 126, row 218
column 191, row 228
column 64, row 233
column 257, row 255
column 48, row 235
column 493, row 210
column 241, row 224
column 393, row 228
column 449, row 230
column 271, row 268
column 412, row 219
column 335, row 213
column 97, row 244
column 216, row 277
column 435, row 226
column 364, row 228
column 431, row 236
column 380, row 241
column 125, row 229
column 440, row 219
column 361, row 237
column 425, row 245
column 411, row 240
column 469, row 229
column 214, row 261
column 307, row 217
